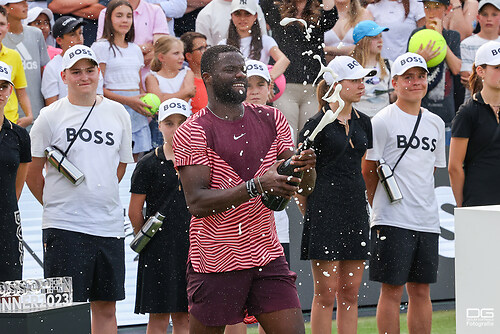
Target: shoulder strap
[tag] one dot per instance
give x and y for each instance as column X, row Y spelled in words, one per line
column 409, row 140
column 75, row 137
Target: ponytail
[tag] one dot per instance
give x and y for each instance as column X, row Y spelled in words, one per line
column 475, row 81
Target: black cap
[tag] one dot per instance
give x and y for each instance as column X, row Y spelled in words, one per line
column 444, row 2
column 66, row 24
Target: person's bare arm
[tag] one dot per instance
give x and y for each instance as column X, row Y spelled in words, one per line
column 458, row 149
column 120, row 171
column 328, row 4
column 301, row 203
column 464, row 78
column 135, row 211
column 152, row 86
column 281, row 62
column 51, row 100
column 22, row 171
column 90, row 12
column 25, row 103
column 460, row 19
column 454, row 63
column 69, row 6
column 369, row 170
column 35, row 179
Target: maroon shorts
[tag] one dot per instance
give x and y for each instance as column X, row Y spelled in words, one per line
column 218, row 299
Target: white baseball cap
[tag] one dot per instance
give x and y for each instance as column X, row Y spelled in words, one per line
column 346, row 68
column 4, row 2
column 246, row 5
column 494, row 3
column 76, row 53
column 406, row 61
column 174, row 106
column 258, row 68
column 34, row 12
column 488, row 54
column 6, row 72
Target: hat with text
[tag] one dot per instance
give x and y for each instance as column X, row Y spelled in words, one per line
column 444, row 2
column 34, row 12
column 366, row 28
column 246, row 5
column 406, row 61
column 5, row 73
column 66, row 24
column 488, row 54
column 258, row 68
column 76, row 53
column 494, row 3
column 174, row 106
column 346, row 68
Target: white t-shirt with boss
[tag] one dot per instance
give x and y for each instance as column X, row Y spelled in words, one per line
column 94, row 206
column 392, row 128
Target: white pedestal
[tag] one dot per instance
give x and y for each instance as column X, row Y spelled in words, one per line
column 477, row 271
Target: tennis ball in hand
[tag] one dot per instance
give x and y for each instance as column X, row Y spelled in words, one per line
column 153, row 101
column 423, row 37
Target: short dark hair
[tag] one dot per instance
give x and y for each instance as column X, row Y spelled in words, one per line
column 188, row 37
column 211, row 56
column 3, row 11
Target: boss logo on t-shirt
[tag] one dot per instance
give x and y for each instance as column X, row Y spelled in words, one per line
column 352, row 64
column 425, row 143
column 176, row 105
column 413, row 59
column 255, row 67
column 98, row 137
column 80, row 51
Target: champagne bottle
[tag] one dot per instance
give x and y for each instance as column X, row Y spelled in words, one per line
column 278, row 203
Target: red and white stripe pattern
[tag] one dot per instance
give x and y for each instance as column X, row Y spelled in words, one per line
column 243, row 237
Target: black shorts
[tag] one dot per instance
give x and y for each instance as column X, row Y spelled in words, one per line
column 399, row 255
column 96, row 264
column 11, row 247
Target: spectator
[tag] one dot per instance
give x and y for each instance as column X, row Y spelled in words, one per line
column 213, row 20
column 489, row 20
column 43, row 19
column 245, row 34
column 169, row 77
column 298, row 102
column 401, row 17
column 83, row 232
column 474, row 148
column 336, row 227
column 120, row 61
column 68, row 32
column 439, row 98
column 13, row 59
column 30, row 43
column 195, row 44
column 149, row 25
column 378, row 89
column 339, row 39
column 15, row 148
column 88, row 10
column 404, row 234
column 161, row 274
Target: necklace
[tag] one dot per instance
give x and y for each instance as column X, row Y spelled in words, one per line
column 225, row 118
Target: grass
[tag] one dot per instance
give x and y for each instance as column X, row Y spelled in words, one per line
column 443, row 322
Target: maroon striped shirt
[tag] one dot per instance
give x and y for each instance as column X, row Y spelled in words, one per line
column 236, row 151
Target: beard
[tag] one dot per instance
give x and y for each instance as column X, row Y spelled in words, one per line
column 227, row 94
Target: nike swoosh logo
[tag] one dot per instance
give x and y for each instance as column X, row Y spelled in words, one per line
column 238, row 137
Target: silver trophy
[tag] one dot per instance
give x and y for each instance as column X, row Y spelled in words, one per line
column 57, row 159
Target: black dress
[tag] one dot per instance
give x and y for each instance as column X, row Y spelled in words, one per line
column 336, row 223
column 161, row 275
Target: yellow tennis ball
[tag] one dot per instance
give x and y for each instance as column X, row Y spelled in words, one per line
column 153, row 101
column 422, row 38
